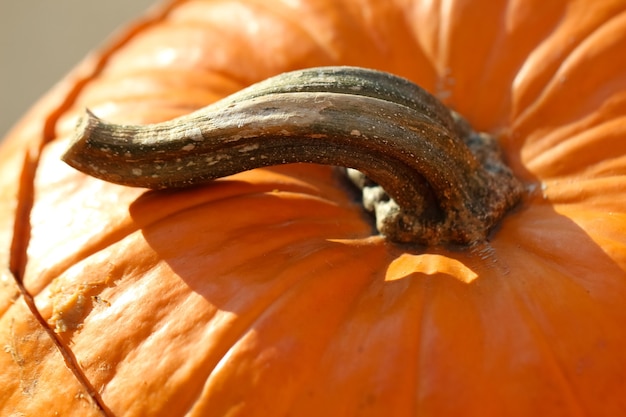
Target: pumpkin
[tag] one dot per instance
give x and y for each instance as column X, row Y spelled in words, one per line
column 267, row 292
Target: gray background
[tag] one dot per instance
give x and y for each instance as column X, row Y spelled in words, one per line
column 41, row 40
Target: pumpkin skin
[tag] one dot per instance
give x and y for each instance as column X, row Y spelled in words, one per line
column 266, row 293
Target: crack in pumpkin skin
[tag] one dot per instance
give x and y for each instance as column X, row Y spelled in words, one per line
column 37, row 129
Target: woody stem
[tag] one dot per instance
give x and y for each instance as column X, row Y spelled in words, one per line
column 446, row 183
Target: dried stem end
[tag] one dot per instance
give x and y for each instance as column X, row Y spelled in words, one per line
column 500, row 192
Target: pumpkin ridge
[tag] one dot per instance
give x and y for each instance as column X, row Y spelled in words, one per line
column 563, row 373
column 252, row 294
column 573, row 137
column 86, row 72
column 504, row 61
column 148, row 207
column 560, row 70
column 332, row 56
column 559, row 374
column 385, row 297
column 267, row 345
column 118, row 234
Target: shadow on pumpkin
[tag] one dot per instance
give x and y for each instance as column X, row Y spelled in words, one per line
column 275, row 291
column 227, row 242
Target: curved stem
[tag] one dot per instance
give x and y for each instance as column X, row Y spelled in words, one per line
column 444, row 186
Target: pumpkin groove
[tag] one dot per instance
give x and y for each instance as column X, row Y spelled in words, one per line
column 198, row 321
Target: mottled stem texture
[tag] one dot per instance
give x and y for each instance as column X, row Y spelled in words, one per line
column 425, row 175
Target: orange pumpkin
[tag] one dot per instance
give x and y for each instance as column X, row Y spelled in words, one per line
column 266, row 292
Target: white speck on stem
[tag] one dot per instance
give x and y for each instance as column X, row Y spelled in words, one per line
column 194, row 133
column 248, row 148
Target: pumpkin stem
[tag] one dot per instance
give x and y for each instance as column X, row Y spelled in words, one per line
column 427, row 177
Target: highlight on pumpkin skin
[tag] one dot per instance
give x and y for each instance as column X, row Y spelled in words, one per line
column 427, row 177
column 429, row 264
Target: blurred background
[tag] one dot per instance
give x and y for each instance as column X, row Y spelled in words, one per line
column 41, row 40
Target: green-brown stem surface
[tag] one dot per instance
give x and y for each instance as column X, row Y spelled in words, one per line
column 447, row 184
